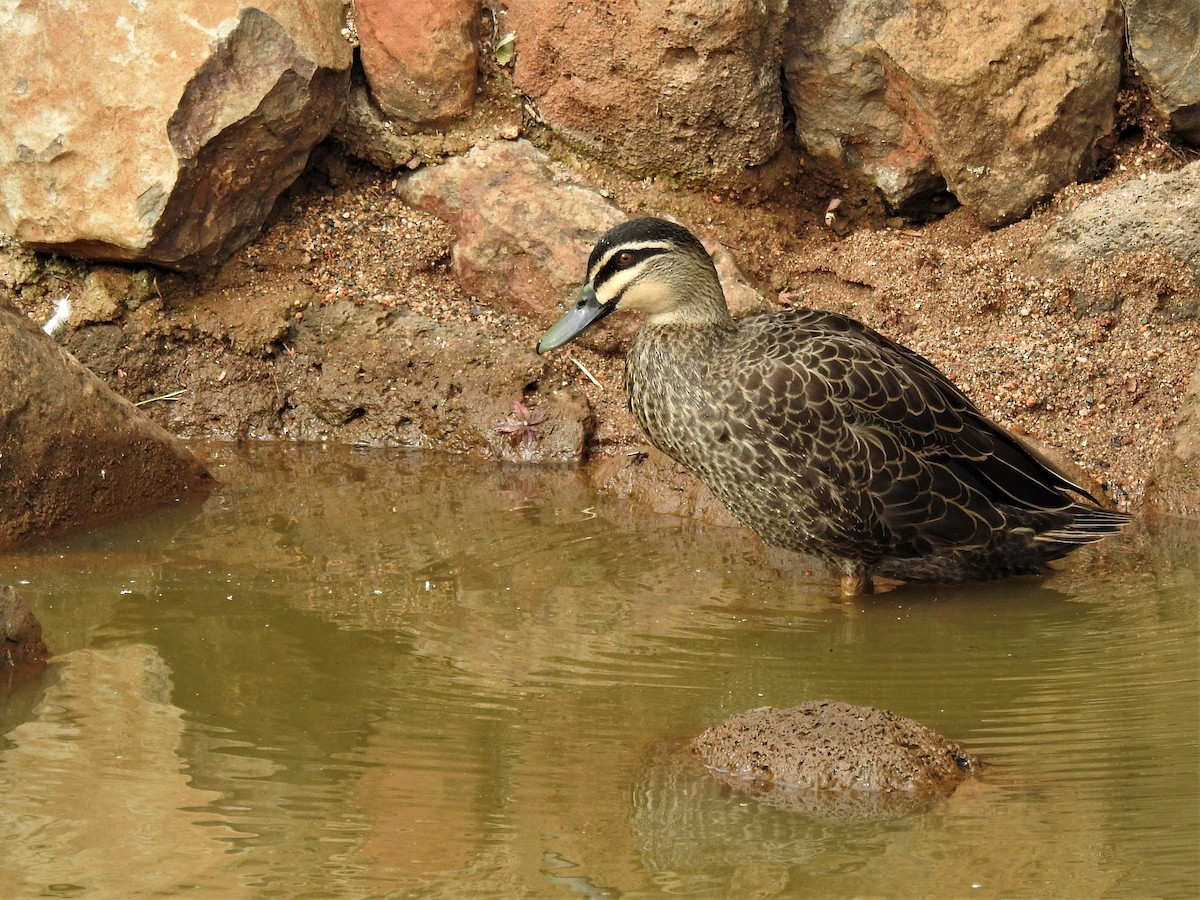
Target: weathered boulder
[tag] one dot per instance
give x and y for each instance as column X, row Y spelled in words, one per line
column 524, row 225
column 1160, row 211
column 1164, row 38
column 168, row 131
column 689, row 87
column 861, row 761
column 526, row 228
column 72, row 451
column 1000, row 104
column 1175, row 486
column 22, row 650
column 420, row 56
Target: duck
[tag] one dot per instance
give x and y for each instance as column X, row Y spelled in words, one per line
column 820, row 434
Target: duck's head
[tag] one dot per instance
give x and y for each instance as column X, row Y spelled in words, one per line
column 646, row 265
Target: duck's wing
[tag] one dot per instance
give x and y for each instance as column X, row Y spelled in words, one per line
column 900, row 441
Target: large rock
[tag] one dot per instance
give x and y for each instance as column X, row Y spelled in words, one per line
column 1164, row 38
column 998, row 103
column 168, row 130
column 688, row 87
column 420, row 56
column 72, row 451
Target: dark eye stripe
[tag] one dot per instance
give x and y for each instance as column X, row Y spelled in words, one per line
column 612, row 266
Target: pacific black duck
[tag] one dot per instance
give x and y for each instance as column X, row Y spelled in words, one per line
column 821, row 435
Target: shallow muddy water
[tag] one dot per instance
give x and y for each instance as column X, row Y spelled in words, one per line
column 363, row 674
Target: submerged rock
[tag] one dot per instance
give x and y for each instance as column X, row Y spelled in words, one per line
column 834, row 759
column 22, row 650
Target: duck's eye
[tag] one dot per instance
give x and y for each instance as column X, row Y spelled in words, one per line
column 625, row 259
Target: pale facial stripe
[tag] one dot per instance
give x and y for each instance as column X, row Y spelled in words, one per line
column 634, row 246
column 619, row 279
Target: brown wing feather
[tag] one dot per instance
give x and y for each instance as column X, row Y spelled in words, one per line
column 891, row 432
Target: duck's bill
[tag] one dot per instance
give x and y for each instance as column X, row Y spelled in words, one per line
column 584, row 312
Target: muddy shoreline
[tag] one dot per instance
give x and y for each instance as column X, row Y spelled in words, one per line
column 343, row 322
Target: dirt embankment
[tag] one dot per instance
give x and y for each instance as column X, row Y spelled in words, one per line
column 343, row 322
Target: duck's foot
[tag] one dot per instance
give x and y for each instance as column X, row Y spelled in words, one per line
column 855, row 584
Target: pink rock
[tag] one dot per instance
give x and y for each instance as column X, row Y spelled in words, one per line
column 420, row 56
column 525, row 229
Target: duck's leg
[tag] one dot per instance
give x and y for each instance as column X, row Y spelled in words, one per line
column 856, row 580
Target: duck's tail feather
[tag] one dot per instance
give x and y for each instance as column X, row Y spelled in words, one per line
column 1085, row 525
